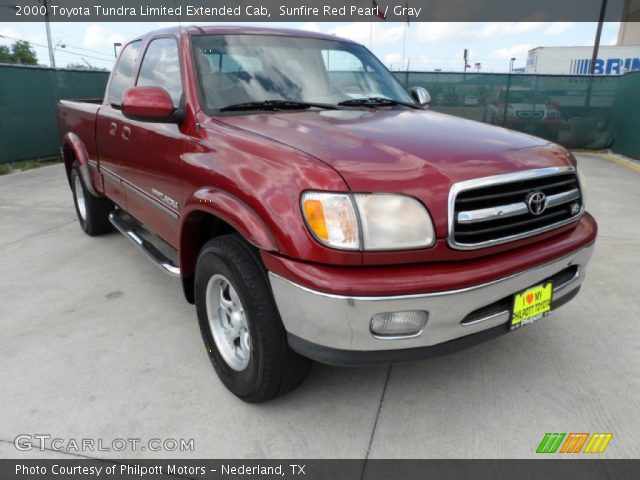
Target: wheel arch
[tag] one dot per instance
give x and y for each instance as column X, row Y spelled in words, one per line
column 74, row 151
column 209, row 213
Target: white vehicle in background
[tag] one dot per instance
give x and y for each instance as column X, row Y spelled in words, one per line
column 525, row 110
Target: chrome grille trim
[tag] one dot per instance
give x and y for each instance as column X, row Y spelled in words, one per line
column 514, row 209
column 564, row 197
column 505, row 211
column 486, row 214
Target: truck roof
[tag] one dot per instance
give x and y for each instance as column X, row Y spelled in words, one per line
column 240, row 29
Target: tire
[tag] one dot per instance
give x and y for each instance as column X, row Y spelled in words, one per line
column 251, row 357
column 93, row 212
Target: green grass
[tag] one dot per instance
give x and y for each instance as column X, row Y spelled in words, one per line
column 11, row 167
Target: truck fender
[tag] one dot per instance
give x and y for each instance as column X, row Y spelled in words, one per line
column 210, row 201
column 73, row 151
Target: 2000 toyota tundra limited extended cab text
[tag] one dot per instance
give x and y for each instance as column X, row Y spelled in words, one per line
column 313, row 209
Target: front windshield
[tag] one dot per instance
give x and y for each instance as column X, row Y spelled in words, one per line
column 236, row 69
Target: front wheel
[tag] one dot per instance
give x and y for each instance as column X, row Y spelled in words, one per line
column 240, row 325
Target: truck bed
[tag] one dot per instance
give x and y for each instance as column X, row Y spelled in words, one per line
column 78, row 118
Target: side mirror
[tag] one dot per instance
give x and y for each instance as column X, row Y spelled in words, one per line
column 152, row 104
column 421, row 96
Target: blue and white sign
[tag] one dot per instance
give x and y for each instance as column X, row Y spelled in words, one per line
column 609, row 66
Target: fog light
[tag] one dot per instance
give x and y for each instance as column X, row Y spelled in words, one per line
column 398, row 324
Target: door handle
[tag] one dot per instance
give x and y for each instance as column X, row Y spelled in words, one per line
column 113, row 128
column 126, row 133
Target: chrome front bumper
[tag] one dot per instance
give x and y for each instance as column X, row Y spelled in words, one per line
column 342, row 323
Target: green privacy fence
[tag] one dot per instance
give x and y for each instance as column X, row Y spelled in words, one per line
column 28, row 98
column 576, row 111
column 626, row 121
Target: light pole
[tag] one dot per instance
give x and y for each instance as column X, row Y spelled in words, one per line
column 513, row 59
column 596, row 44
column 52, row 60
column 59, row 44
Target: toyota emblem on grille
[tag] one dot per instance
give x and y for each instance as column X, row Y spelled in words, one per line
column 537, row 202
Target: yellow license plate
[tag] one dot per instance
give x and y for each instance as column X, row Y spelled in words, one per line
column 531, row 305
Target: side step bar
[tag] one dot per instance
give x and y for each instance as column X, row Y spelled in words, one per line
column 132, row 232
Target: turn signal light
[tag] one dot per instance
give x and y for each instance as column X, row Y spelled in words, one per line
column 331, row 217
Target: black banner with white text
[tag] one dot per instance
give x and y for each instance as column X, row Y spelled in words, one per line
column 319, row 469
column 194, row 11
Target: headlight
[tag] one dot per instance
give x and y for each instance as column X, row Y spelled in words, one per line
column 393, row 222
column 368, row 221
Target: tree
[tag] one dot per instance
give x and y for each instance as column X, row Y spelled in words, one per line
column 23, row 53
column 20, row 52
column 5, row 54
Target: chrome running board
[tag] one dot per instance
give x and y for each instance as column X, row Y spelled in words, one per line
column 132, row 231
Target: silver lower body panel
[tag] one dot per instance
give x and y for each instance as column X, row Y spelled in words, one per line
column 343, row 322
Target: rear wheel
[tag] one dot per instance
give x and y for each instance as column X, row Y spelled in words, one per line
column 240, row 325
column 93, row 212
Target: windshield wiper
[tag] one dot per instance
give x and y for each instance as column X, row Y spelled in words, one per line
column 276, row 105
column 375, row 102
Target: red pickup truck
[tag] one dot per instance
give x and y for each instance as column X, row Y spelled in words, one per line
column 314, row 209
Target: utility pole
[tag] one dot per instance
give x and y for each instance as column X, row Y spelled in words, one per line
column 596, row 45
column 52, row 60
column 404, row 44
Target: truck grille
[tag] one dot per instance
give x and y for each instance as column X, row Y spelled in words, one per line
column 505, row 208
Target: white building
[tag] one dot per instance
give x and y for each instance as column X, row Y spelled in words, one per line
column 629, row 33
column 612, row 60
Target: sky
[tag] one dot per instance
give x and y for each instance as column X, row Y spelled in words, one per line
column 427, row 45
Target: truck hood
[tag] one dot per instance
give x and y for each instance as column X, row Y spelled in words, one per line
column 415, row 152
